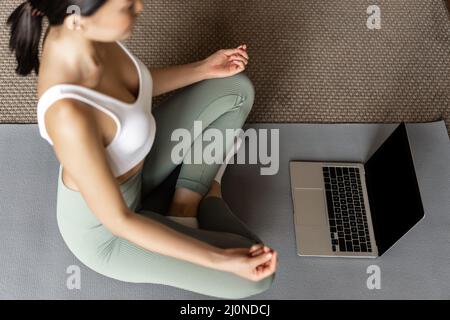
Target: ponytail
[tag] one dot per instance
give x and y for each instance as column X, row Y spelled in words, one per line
column 26, row 29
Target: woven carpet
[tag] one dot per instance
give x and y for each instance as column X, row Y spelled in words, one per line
column 310, row 60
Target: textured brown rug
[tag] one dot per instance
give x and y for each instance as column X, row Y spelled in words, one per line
column 310, row 60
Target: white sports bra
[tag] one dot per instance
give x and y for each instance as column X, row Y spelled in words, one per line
column 135, row 123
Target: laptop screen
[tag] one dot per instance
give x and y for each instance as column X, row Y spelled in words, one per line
column 393, row 190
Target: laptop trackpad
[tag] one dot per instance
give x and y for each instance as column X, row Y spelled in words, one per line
column 310, row 207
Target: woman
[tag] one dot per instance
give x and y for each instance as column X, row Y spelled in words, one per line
column 95, row 110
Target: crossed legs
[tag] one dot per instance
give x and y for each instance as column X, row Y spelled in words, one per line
column 220, row 104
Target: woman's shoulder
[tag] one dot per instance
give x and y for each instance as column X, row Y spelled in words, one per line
column 61, row 115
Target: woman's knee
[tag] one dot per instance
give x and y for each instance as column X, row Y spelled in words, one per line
column 246, row 91
column 238, row 85
column 246, row 85
column 254, row 288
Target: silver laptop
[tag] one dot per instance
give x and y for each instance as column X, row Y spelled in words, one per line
column 356, row 209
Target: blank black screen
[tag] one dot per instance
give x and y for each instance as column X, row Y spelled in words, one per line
column 394, row 194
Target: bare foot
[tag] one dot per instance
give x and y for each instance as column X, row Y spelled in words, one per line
column 215, row 190
column 184, row 203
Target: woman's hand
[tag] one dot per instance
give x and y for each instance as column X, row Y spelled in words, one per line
column 226, row 62
column 254, row 263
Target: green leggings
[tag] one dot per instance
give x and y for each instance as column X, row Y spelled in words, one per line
column 219, row 103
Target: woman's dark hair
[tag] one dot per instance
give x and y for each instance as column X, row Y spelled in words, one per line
column 26, row 27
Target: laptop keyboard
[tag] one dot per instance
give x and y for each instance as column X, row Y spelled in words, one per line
column 346, row 211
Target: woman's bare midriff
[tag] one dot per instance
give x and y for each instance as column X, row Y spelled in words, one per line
column 69, row 183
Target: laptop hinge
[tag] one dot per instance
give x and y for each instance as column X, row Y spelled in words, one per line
column 370, row 192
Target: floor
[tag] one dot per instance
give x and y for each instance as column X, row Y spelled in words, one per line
column 34, row 258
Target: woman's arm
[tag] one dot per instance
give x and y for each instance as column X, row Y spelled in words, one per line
column 157, row 237
column 223, row 63
column 79, row 148
column 167, row 79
